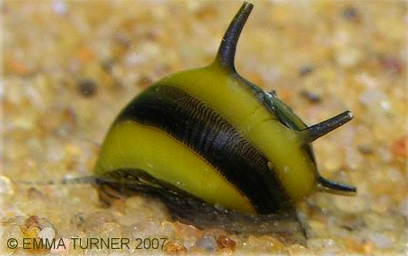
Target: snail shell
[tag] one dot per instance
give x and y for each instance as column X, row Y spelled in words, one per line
column 208, row 137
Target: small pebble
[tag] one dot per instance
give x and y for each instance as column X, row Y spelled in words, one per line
column 399, row 147
column 167, row 229
column 306, row 70
column 264, row 244
column 351, row 14
column 381, row 240
column 32, row 221
column 312, row 97
column 95, row 220
column 34, row 193
column 174, row 248
column 393, row 64
column 59, row 7
column 207, row 242
column 78, row 220
column 366, row 149
column 6, row 187
column 31, row 232
column 225, row 242
column 189, row 242
column 360, row 246
column 87, row 87
column 47, row 233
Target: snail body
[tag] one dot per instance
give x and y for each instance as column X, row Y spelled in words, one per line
column 210, row 136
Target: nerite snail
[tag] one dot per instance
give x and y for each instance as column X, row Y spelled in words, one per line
column 209, row 138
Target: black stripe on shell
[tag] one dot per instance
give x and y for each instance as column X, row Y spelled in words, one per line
column 195, row 124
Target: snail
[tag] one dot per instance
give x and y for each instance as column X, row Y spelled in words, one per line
column 207, row 141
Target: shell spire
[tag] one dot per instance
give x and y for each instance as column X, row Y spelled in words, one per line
column 226, row 51
column 337, row 188
column 316, row 131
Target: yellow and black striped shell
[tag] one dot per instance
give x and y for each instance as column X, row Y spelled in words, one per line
column 209, row 135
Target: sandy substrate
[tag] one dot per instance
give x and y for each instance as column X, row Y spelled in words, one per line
column 69, row 68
